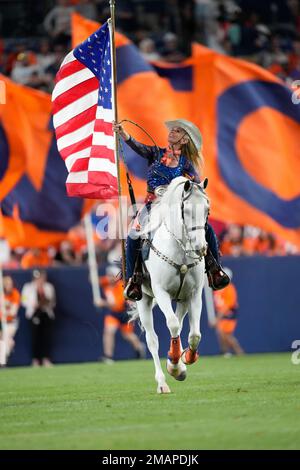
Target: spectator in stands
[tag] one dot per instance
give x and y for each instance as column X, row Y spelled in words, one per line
column 38, row 298
column 23, row 71
column 170, row 49
column 232, row 243
column 116, row 317
column 36, row 258
column 87, row 8
column 58, row 21
column 65, row 255
column 45, row 57
column 148, row 50
column 78, row 241
column 226, row 305
column 53, row 68
column 8, row 319
column 294, row 60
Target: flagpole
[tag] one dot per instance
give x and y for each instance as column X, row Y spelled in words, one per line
column 111, row 23
column 209, row 301
column 92, row 260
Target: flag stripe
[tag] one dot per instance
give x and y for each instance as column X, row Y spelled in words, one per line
column 71, row 149
column 71, row 81
column 76, row 122
column 76, row 136
column 75, row 108
column 74, row 94
column 85, row 153
column 69, row 69
column 102, row 164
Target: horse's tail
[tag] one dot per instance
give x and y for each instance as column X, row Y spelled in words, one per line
column 133, row 313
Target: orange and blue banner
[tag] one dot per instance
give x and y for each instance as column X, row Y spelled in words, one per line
column 249, row 121
column 32, row 174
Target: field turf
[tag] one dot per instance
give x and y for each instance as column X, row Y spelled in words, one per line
column 250, row 402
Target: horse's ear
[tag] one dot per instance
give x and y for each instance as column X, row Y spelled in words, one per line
column 204, row 183
column 187, row 185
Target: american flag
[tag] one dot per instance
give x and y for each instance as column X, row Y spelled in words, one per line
column 83, row 115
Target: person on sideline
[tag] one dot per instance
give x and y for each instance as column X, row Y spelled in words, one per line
column 226, row 305
column 116, row 317
column 8, row 319
column 38, row 298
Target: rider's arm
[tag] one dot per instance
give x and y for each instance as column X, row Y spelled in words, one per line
column 150, row 152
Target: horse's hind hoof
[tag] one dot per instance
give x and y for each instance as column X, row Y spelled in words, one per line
column 161, row 389
column 188, row 356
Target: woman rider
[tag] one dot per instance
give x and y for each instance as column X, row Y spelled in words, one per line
column 180, row 158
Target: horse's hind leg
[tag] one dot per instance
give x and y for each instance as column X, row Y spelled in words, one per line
column 145, row 312
column 164, row 303
column 190, row 355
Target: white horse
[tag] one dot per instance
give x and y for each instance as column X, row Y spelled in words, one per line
column 176, row 268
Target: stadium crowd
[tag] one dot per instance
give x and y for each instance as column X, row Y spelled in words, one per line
column 267, row 33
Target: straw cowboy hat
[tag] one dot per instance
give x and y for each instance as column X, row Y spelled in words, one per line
column 190, row 129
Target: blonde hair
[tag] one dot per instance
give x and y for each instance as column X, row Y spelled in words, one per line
column 190, row 151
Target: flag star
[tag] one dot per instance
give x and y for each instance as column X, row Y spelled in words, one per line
column 93, row 61
column 96, row 35
column 96, row 70
column 108, row 62
column 82, row 57
column 89, row 39
column 106, row 90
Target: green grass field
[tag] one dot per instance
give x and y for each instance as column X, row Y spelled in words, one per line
column 250, row 402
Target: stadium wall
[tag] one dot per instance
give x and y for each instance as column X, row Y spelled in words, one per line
column 269, row 319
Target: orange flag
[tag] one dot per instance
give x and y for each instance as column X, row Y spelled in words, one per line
column 35, row 210
column 251, row 129
column 249, row 120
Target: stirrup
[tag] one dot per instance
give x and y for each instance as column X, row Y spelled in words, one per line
column 217, row 278
column 133, row 290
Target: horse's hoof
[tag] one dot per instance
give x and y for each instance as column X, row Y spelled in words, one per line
column 188, row 356
column 181, row 377
column 163, row 389
column 178, row 371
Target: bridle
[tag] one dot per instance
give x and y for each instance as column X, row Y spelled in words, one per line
column 183, row 268
column 185, row 195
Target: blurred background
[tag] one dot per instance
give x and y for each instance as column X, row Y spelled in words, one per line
column 43, row 229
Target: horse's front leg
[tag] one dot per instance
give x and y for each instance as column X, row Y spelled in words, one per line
column 190, row 355
column 164, row 302
column 145, row 312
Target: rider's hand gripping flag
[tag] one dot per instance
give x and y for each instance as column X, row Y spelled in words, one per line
column 83, row 114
